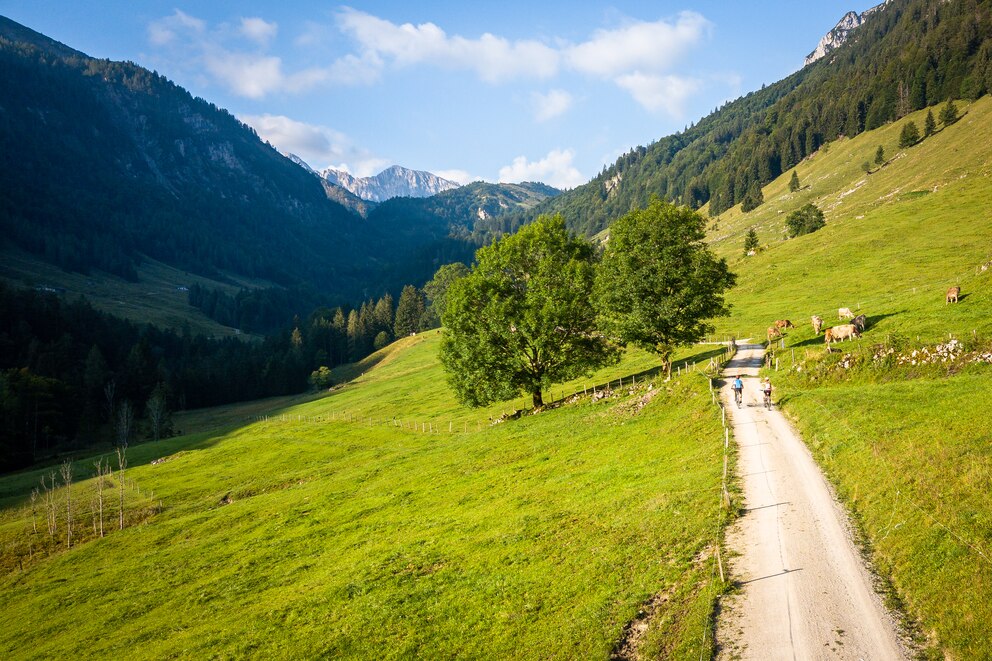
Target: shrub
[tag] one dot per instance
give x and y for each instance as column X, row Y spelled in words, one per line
column 806, row 220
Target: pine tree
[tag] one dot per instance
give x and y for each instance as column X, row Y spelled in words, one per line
column 929, row 125
column 909, row 135
column 750, row 242
column 949, row 113
column 753, row 198
column 880, row 155
column 794, row 182
column 409, row 311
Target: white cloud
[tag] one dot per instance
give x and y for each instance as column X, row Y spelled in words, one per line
column 319, row 146
column 248, row 73
column 555, row 169
column 551, row 105
column 665, row 93
column 638, row 56
column 495, row 59
column 258, row 30
column 165, row 30
column 641, row 46
column 245, row 74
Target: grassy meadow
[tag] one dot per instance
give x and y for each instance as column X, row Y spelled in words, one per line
column 907, row 445
column 334, row 529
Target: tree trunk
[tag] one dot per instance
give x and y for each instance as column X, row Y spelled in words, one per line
column 538, row 398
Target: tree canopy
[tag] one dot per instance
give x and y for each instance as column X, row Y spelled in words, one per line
column 658, row 283
column 521, row 320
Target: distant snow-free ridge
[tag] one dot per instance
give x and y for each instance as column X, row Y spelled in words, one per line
column 394, row 181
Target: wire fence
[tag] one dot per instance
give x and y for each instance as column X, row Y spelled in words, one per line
column 595, row 392
column 725, row 510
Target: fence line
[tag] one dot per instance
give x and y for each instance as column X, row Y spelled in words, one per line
column 725, row 501
column 432, row 426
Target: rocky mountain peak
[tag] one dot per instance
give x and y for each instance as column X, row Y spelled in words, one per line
column 394, row 181
column 840, row 32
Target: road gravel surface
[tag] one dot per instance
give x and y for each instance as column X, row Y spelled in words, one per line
column 805, row 591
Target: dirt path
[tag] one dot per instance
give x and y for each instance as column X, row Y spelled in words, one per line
column 804, row 590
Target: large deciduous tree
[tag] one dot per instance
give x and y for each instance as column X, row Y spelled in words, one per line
column 658, row 283
column 522, row 320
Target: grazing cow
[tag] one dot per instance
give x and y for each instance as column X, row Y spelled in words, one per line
column 783, row 323
column 860, row 321
column 817, row 324
column 773, row 334
column 845, row 313
column 838, row 333
column 952, row 295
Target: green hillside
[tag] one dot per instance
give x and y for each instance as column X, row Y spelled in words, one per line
column 894, row 241
column 896, row 419
column 341, row 528
column 909, row 55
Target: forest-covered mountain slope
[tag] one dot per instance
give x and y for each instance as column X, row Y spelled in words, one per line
column 105, row 164
column 912, row 54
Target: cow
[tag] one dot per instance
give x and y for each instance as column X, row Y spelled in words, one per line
column 952, row 295
column 773, row 334
column 845, row 313
column 860, row 321
column 838, row 333
column 817, row 324
column 783, row 323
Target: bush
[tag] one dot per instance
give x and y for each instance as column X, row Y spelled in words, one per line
column 806, row 220
column 321, row 378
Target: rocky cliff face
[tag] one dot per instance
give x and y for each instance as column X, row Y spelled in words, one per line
column 392, row 182
column 839, row 34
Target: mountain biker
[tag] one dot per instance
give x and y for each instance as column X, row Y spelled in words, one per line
column 766, row 388
column 738, row 388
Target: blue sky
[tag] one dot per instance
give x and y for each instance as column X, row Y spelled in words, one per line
column 508, row 91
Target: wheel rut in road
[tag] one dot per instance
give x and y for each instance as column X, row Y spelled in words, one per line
column 805, row 591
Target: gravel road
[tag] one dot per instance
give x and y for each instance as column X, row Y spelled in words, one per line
column 804, row 589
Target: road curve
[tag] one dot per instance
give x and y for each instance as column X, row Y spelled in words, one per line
column 805, row 592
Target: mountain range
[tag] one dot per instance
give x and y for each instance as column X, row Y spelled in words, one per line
column 394, row 181
column 108, row 166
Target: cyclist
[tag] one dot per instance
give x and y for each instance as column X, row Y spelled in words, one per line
column 738, row 388
column 766, row 388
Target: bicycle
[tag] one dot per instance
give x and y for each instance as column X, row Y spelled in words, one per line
column 738, row 396
column 768, row 400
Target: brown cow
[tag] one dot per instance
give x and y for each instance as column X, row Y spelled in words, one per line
column 773, row 334
column 952, row 295
column 838, row 333
column 845, row 313
column 783, row 323
column 817, row 324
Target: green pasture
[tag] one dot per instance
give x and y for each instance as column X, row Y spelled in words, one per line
column 895, row 239
column 912, row 460
column 314, row 535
